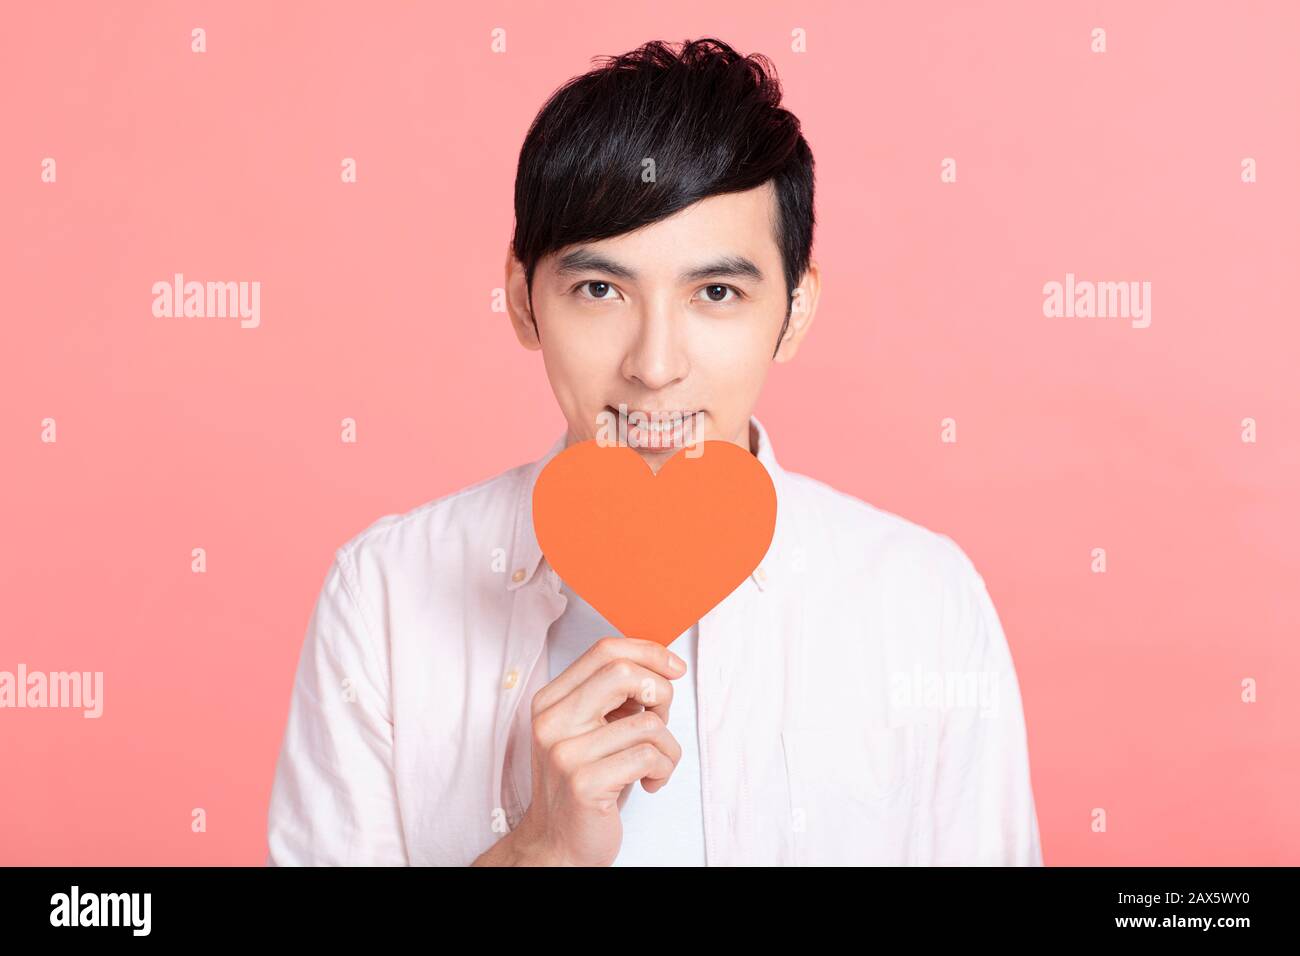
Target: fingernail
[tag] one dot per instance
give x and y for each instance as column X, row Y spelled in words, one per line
column 676, row 662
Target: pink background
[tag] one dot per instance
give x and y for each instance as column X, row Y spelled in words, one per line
column 1073, row 433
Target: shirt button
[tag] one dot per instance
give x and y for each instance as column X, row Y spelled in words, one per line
column 512, row 678
column 517, row 576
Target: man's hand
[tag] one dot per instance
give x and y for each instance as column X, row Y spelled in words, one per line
column 598, row 727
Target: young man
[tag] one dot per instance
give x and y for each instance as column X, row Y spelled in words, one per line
column 852, row 701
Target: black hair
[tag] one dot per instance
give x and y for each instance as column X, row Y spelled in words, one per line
column 710, row 119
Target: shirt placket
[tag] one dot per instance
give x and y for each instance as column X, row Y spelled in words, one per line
column 535, row 606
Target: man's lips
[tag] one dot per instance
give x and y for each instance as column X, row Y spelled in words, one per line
column 663, row 414
column 657, row 429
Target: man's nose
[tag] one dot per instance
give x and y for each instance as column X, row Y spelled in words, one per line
column 657, row 356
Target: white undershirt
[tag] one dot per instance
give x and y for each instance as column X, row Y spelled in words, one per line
column 664, row 828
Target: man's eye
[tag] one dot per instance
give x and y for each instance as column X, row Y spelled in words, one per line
column 596, row 290
column 718, row 292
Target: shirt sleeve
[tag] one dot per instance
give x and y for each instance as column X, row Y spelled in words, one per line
column 334, row 797
column 983, row 799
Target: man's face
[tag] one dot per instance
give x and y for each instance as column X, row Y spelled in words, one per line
column 679, row 316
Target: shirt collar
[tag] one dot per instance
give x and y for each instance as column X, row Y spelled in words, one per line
column 526, row 553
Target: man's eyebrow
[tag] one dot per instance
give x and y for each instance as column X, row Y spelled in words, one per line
column 736, row 267
column 584, row 260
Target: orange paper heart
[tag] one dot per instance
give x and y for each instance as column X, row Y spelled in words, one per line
column 654, row 553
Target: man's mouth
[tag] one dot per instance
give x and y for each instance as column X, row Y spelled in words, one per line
column 658, row 430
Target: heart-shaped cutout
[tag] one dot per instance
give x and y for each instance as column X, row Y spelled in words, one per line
column 654, row 553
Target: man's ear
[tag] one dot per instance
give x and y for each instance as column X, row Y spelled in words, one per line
column 803, row 308
column 517, row 304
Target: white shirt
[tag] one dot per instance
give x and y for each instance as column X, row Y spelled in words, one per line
column 664, row 828
column 830, row 711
